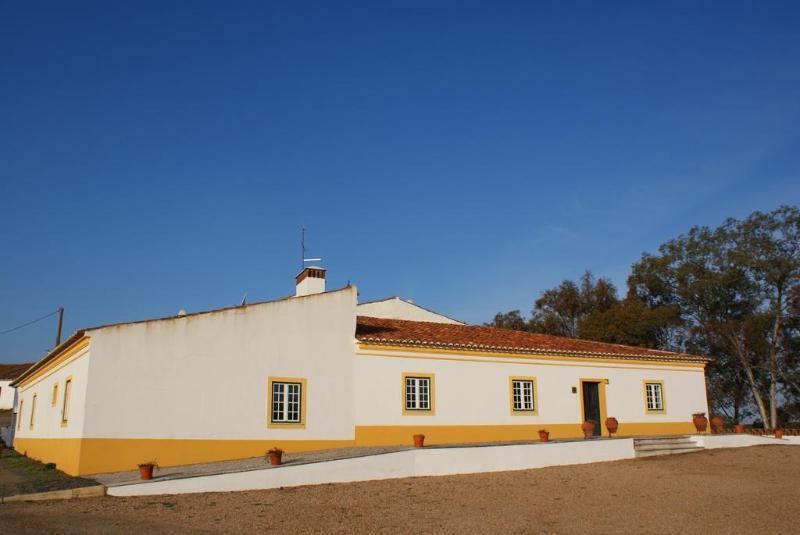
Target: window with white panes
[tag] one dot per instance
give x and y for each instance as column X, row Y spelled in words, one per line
column 654, row 396
column 418, row 393
column 522, row 393
column 286, row 402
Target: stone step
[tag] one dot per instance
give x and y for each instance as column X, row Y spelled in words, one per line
column 652, row 453
column 666, row 437
column 665, row 446
column 648, row 441
column 669, row 441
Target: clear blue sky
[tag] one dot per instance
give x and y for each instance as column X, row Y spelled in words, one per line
column 162, row 156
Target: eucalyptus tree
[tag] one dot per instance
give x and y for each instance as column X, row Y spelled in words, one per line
column 768, row 245
column 731, row 285
column 561, row 310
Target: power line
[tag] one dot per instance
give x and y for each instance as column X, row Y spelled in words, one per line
column 29, row 323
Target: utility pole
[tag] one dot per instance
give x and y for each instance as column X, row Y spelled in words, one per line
column 302, row 248
column 60, row 323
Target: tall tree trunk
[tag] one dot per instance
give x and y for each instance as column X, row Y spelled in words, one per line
column 773, row 366
column 751, row 380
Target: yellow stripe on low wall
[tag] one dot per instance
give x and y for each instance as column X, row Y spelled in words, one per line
column 96, row 455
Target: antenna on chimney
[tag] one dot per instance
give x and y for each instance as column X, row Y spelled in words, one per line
column 303, row 258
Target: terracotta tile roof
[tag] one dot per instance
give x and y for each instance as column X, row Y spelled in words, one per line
column 379, row 331
column 12, row 371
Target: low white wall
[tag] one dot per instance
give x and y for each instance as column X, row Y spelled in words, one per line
column 739, row 441
column 409, row 463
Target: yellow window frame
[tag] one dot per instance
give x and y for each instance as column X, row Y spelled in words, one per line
column 33, row 412
column 534, row 393
column 647, row 410
column 65, row 403
column 303, row 396
column 431, row 410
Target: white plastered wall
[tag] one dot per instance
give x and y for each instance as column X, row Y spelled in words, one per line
column 47, row 420
column 476, row 391
column 398, row 309
column 205, row 376
column 6, row 395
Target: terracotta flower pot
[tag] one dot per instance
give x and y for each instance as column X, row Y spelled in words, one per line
column 612, row 425
column 779, row 433
column 146, row 471
column 275, row 458
column 544, row 436
column 717, row 424
column 419, row 441
column 700, row 421
column 588, row 429
column 739, row 428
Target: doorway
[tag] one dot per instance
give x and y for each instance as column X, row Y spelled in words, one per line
column 591, row 404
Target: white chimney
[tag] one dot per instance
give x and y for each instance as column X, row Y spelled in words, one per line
column 310, row 281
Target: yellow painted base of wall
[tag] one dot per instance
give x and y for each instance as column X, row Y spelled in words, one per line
column 97, row 455
column 76, row 456
column 457, row 434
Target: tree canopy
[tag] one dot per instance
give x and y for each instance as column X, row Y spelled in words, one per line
column 731, row 293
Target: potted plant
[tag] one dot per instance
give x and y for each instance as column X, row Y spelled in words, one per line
column 419, row 440
column 588, row 429
column 717, row 423
column 146, row 470
column 700, row 421
column 544, row 435
column 778, row 433
column 739, row 428
column 612, row 425
column 275, row 455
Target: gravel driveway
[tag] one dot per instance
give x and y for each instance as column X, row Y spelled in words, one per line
column 742, row 490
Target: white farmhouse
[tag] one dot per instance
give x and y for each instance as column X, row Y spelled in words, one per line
column 317, row 370
column 8, row 372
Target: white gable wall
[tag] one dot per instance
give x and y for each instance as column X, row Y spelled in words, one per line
column 398, row 309
column 205, row 376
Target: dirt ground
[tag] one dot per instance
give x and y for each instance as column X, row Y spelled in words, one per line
column 744, row 490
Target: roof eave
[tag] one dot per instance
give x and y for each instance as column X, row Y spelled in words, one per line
column 50, row 355
column 678, row 357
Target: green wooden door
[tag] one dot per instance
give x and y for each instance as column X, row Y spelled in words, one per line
column 591, row 405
